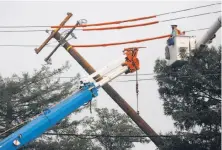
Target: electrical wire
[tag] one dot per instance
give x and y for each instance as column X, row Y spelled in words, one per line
column 163, row 78
column 148, row 23
column 18, row 31
column 24, row 30
column 17, row 45
column 13, row 127
column 136, row 19
column 105, row 23
column 122, row 43
column 125, row 136
column 23, row 122
column 196, row 30
column 191, row 16
column 192, row 8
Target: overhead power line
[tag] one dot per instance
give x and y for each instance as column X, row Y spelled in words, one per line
column 193, row 8
column 191, row 16
column 24, row 30
column 52, row 30
column 136, row 19
column 49, row 45
column 132, row 20
column 165, row 77
column 145, row 79
column 196, row 30
column 146, row 24
column 126, row 136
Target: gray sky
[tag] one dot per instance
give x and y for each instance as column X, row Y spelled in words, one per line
column 23, row 59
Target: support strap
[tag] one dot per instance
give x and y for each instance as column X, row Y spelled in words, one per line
column 137, row 94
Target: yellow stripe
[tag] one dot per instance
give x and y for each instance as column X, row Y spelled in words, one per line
column 69, row 48
column 55, row 30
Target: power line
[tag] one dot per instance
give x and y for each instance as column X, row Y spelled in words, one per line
column 182, row 10
column 18, row 31
column 164, row 78
column 191, row 16
column 24, row 30
column 145, row 24
column 23, row 45
column 17, row 45
column 197, row 30
column 148, row 74
column 173, row 12
column 126, row 136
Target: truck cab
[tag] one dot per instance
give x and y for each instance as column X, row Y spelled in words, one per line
column 181, row 46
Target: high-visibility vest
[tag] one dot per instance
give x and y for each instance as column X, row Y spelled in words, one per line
column 178, row 32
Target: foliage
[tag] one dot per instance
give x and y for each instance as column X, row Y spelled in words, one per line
column 192, row 96
column 113, row 123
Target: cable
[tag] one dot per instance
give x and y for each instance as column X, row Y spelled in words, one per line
column 121, row 27
column 190, row 16
column 173, row 12
column 24, row 30
column 21, row 123
column 49, row 44
column 10, row 45
column 125, row 136
column 18, row 31
column 143, row 79
column 121, row 43
column 196, row 30
column 148, row 23
column 164, row 78
column 114, row 22
column 28, row 26
column 105, row 23
column 13, row 127
column 136, row 19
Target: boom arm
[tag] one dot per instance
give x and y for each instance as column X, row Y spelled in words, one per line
column 210, row 33
column 50, row 117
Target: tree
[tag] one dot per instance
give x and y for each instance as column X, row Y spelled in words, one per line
column 192, row 96
column 113, row 123
column 23, row 97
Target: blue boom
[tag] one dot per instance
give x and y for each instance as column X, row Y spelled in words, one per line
column 49, row 118
column 89, row 87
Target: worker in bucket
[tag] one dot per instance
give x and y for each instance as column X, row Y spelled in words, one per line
column 174, row 33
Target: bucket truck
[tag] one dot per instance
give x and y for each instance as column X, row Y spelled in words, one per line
column 184, row 45
column 88, row 90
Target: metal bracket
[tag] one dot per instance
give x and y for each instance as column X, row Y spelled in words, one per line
column 37, row 50
column 62, row 41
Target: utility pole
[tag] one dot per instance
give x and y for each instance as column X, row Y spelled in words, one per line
column 157, row 140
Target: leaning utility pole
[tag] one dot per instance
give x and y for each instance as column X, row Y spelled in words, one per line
column 109, row 90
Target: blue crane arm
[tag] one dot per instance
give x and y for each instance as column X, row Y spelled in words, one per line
column 49, row 118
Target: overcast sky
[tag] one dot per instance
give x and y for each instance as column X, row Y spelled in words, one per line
column 23, row 59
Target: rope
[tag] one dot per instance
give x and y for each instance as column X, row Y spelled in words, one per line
column 121, row 43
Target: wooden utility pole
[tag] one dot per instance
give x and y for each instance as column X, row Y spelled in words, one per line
column 157, row 140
